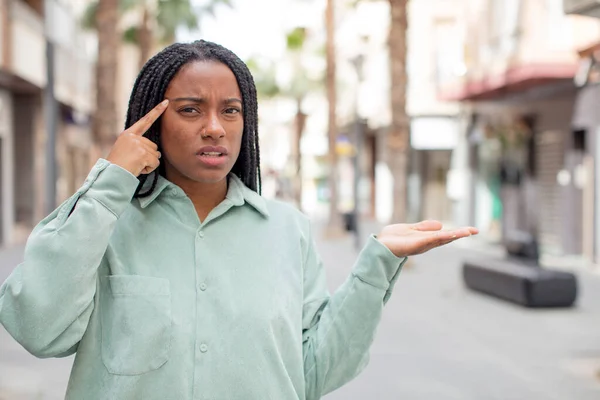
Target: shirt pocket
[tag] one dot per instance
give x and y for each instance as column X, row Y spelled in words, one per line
column 136, row 324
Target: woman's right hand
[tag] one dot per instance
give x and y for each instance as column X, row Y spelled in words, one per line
column 132, row 151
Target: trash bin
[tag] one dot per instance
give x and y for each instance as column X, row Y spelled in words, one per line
column 522, row 245
column 350, row 221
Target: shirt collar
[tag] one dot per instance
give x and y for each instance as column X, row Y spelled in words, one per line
column 161, row 185
column 238, row 193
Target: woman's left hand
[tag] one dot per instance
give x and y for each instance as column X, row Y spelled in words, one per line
column 411, row 239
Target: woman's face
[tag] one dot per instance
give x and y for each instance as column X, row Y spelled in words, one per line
column 201, row 130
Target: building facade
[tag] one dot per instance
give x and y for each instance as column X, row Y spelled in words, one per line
column 520, row 170
column 365, row 114
column 27, row 27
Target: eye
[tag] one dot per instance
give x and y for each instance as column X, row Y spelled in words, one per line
column 232, row 110
column 188, row 110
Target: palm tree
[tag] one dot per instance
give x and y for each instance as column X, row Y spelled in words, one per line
column 297, row 90
column 105, row 118
column 169, row 15
column 104, row 16
column 334, row 215
column 398, row 134
column 296, row 40
column 159, row 21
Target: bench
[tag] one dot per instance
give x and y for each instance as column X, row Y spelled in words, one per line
column 519, row 278
column 521, row 283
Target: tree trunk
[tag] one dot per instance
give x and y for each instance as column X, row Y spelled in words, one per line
column 334, row 215
column 144, row 34
column 105, row 127
column 398, row 135
column 297, row 153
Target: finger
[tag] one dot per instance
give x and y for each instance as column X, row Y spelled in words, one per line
column 155, row 154
column 141, row 141
column 152, row 162
column 148, row 144
column 427, row 226
column 141, row 126
column 451, row 235
column 460, row 233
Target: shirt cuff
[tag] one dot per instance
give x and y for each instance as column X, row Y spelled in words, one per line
column 110, row 185
column 378, row 266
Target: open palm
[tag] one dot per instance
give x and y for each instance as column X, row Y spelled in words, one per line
column 411, row 239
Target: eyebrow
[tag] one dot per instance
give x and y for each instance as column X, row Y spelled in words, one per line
column 201, row 100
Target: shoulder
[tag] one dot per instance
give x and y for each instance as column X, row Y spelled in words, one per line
column 284, row 212
column 282, row 209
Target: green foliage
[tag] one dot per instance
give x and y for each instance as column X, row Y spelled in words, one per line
column 172, row 14
column 296, row 39
column 300, row 84
column 88, row 20
column 264, row 79
column 126, row 5
column 131, row 35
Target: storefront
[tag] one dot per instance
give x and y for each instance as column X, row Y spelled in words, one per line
column 519, row 149
column 432, row 141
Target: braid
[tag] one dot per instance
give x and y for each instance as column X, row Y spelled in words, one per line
column 150, row 88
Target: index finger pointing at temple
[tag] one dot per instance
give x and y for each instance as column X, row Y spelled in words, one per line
column 142, row 125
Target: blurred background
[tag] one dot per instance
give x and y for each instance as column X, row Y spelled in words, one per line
column 472, row 112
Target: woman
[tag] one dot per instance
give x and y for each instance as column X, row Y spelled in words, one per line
column 169, row 275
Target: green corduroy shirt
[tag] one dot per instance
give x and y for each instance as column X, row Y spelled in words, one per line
column 157, row 304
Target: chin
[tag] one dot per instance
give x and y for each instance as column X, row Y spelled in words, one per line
column 214, row 176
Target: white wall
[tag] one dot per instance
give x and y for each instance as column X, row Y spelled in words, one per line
column 433, row 40
column 74, row 56
column 28, row 45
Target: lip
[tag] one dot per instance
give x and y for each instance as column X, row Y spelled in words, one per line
column 212, row 161
column 212, row 149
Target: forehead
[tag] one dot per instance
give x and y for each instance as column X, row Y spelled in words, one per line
column 204, row 76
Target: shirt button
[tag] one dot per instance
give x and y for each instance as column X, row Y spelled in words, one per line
column 203, row 286
column 203, row 348
column 174, row 192
column 200, row 234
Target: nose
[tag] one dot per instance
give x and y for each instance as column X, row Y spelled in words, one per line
column 213, row 127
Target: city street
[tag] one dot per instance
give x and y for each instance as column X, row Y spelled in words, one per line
column 437, row 341
column 475, row 112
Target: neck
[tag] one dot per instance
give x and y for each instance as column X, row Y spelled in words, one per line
column 204, row 195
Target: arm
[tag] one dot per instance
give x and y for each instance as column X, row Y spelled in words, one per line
column 338, row 330
column 46, row 303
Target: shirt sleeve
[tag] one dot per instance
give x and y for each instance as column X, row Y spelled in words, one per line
column 46, row 303
column 338, row 330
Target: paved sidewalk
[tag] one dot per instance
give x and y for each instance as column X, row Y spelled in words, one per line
column 439, row 341
column 22, row 376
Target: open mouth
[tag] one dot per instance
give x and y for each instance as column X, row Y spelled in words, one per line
column 211, row 154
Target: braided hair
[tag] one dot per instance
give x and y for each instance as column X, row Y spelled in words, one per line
column 150, row 87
